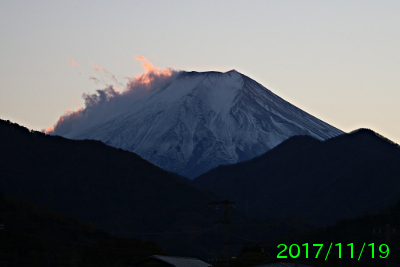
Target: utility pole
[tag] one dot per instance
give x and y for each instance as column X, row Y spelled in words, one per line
column 226, row 224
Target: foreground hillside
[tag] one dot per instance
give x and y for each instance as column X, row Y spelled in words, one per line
column 380, row 229
column 319, row 181
column 119, row 192
column 32, row 236
column 115, row 190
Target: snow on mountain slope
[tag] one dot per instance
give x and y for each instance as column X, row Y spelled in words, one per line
column 195, row 121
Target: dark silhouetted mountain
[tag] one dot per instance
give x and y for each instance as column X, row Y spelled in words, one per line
column 115, row 190
column 194, row 121
column 319, row 181
column 121, row 193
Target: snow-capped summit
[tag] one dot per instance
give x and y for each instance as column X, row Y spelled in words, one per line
column 195, row 121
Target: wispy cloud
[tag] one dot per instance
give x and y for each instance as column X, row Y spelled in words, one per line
column 107, row 102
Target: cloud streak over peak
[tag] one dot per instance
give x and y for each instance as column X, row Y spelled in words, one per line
column 108, row 102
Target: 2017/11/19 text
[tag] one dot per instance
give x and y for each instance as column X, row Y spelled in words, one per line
column 293, row 251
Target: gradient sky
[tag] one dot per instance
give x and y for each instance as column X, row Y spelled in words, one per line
column 338, row 60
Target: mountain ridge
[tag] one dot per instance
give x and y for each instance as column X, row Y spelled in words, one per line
column 319, row 181
column 81, row 177
column 119, row 192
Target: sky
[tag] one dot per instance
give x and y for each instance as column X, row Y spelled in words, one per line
column 337, row 60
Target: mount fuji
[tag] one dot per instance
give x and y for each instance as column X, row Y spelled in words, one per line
column 195, row 121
